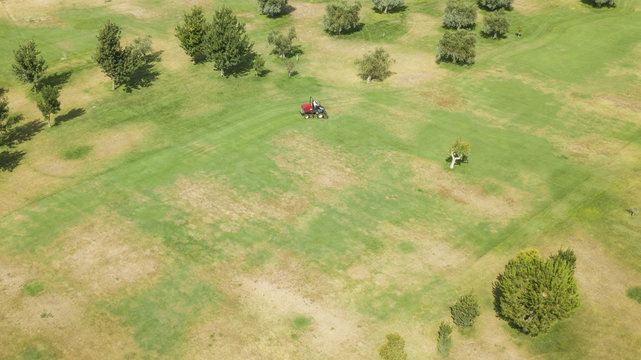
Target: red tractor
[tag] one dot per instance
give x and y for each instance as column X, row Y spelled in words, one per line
column 312, row 109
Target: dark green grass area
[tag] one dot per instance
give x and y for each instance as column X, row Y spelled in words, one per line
column 634, row 293
column 76, row 152
column 33, row 287
column 160, row 315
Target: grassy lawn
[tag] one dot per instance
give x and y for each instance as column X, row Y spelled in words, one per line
column 201, row 217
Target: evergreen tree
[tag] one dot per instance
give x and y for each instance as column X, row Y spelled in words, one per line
column 271, row 8
column 457, row 46
column 48, row 102
column 495, row 4
column 567, row 256
column 29, row 67
column 341, row 16
column 259, row 65
column 226, row 43
column 385, row 5
column 444, row 340
column 191, row 33
column 375, row 65
column 393, row 349
column 465, row 311
column 6, row 121
column 459, row 14
column 282, row 43
column 533, row 293
column 496, row 24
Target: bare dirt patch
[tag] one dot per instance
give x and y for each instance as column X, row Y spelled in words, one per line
column 266, row 303
column 130, row 9
column 107, row 253
column 321, row 166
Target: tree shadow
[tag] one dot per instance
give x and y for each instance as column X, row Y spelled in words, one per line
column 594, row 4
column 55, row 80
column 458, row 162
column 295, row 50
column 145, row 74
column 356, row 28
column 22, row 133
column 491, row 36
column 70, row 115
column 483, row 7
column 263, row 72
column 9, row 160
column 396, row 9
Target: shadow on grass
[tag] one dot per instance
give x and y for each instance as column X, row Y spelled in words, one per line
column 288, row 9
column 146, row 74
column 396, row 9
column 55, row 80
column 70, row 115
column 243, row 67
column 594, row 4
column 22, row 133
column 356, row 28
column 10, row 159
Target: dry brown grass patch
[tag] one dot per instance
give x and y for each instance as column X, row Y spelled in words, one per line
column 433, row 177
column 107, row 253
column 322, row 167
column 212, row 201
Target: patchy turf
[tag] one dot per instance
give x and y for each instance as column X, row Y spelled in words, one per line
column 201, row 217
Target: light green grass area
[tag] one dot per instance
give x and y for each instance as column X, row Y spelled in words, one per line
column 277, row 237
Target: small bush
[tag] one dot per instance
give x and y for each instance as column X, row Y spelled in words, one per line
column 496, row 4
column 465, row 311
column 393, row 349
column 444, row 341
column 635, row 294
column 33, row 288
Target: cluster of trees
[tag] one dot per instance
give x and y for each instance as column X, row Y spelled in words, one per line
column 458, row 43
column 30, row 67
column 531, row 294
column 117, row 62
column 223, row 41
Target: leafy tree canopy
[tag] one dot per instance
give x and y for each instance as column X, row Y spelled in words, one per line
column 385, row 5
column 226, row 43
column 465, row 311
column 191, row 33
column 496, row 24
column 341, row 16
column 496, row 4
column 375, row 65
column 533, row 293
column 271, row 8
column 457, row 46
column 459, row 14
column 48, row 103
column 393, row 349
column 29, row 67
column 282, row 43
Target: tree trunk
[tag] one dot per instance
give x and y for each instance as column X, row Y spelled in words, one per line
column 49, row 120
column 458, row 27
column 385, row 12
column 113, row 85
column 222, row 72
column 454, row 159
column 495, row 35
column 369, row 79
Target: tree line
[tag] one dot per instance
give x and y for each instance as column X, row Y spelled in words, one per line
column 532, row 294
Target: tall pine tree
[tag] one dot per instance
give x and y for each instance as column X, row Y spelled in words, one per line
column 226, row 43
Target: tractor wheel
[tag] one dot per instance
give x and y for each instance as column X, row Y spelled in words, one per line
column 306, row 116
column 320, row 116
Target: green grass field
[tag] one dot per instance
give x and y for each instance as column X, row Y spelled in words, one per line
column 202, row 218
